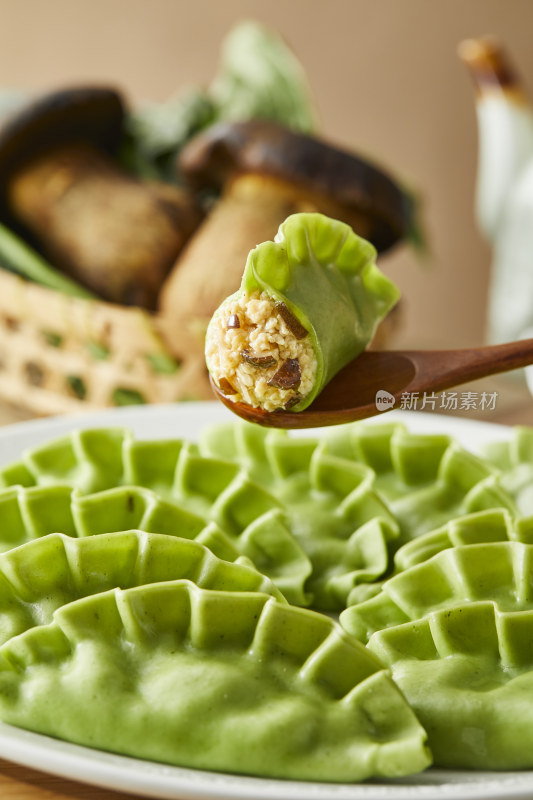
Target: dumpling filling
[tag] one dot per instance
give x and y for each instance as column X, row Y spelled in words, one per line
column 259, row 353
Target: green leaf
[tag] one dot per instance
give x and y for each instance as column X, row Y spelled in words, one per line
column 260, row 77
column 19, row 257
column 155, row 133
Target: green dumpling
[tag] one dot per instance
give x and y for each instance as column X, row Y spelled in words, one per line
column 319, row 515
column 481, row 527
column 467, row 672
column 28, row 513
column 501, row 572
column 39, row 577
column 457, row 632
column 235, row 682
column 309, row 302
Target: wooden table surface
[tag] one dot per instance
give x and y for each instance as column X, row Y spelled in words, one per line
column 513, row 406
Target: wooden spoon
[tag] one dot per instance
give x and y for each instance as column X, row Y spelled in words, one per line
column 351, row 394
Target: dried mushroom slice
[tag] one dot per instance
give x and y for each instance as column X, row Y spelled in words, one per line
column 309, row 302
column 291, row 321
column 262, row 357
column 467, row 672
column 288, row 376
column 256, row 360
column 226, row 387
column 41, row 576
column 292, row 402
column 235, row 682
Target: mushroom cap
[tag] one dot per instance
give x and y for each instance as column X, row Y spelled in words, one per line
column 79, row 114
column 329, row 176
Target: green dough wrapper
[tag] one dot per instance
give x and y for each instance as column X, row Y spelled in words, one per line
column 499, row 571
column 467, row 672
column 321, row 516
column 39, row 577
column 227, row 681
column 457, row 632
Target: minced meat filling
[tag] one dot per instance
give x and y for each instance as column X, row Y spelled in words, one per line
column 259, row 353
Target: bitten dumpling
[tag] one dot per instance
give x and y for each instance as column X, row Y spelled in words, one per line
column 309, row 302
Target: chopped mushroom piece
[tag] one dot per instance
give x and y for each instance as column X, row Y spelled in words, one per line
column 288, row 376
column 293, row 324
column 226, row 387
column 258, row 361
column 234, row 322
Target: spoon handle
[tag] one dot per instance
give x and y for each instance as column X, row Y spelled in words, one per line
column 442, row 369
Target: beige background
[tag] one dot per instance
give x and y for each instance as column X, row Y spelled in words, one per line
column 386, row 79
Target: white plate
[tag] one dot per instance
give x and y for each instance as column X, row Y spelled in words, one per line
column 153, row 780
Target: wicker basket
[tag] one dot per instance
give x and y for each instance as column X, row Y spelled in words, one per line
column 62, row 354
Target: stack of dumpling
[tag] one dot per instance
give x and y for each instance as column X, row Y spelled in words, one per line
column 166, row 600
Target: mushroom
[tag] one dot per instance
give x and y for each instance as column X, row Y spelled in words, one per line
column 264, row 173
column 59, row 179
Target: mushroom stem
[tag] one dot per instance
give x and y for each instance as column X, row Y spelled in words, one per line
column 265, row 173
column 115, row 234
column 210, row 268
